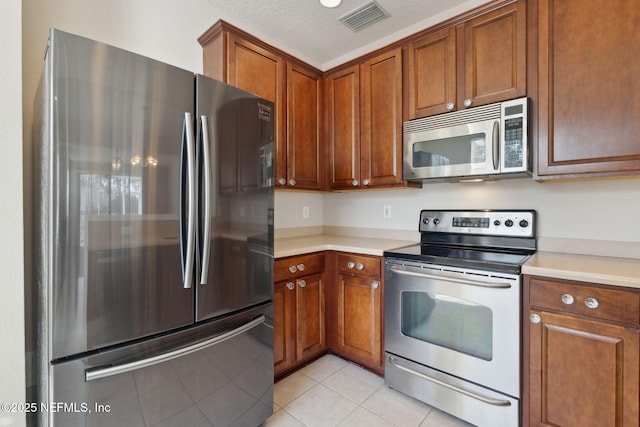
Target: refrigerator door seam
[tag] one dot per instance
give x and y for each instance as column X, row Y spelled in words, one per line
column 95, row 374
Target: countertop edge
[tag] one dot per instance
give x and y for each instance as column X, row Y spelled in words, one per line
column 613, row 271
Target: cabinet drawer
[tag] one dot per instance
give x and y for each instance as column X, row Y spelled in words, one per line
column 298, row 266
column 581, row 299
column 360, row 265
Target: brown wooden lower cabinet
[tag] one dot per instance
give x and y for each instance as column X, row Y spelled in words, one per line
column 299, row 333
column 355, row 308
column 580, row 370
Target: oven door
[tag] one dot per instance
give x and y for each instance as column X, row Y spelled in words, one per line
column 457, row 151
column 463, row 322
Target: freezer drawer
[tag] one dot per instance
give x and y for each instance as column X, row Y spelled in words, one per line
column 216, row 374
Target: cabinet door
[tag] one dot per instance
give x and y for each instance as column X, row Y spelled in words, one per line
column 431, row 74
column 588, row 88
column 381, row 120
column 582, row 373
column 495, row 55
column 343, row 100
column 263, row 73
column 360, row 319
column 284, row 325
column 310, row 337
column 304, row 160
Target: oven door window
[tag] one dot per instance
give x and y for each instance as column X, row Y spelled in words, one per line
column 449, row 322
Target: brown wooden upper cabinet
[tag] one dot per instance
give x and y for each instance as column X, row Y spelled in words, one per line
column 237, row 58
column 588, row 95
column 477, row 62
column 364, row 114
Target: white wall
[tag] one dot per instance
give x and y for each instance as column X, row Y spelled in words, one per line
column 594, row 209
column 12, row 375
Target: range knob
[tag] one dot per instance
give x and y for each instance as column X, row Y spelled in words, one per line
column 497, row 222
column 425, row 221
column 524, row 223
column 508, row 223
column 436, row 221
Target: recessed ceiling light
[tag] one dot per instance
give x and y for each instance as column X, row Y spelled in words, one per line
column 330, row 3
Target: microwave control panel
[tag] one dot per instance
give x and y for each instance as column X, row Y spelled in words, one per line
column 514, row 144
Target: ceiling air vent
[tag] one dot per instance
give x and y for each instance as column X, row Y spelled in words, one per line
column 363, row 16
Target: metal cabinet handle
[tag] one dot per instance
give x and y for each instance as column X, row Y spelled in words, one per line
column 360, row 266
column 301, row 267
column 282, row 181
column 591, row 302
column 302, row 283
column 355, row 182
column 450, row 106
column 350, row 265
column 365, row 182
column 467, row 102
column 534, row 318
column 293, row 268
column 290, row 286
column 567, row 299
column 375, row 285
column 292, row 182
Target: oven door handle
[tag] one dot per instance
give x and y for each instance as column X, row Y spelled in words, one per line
column 485, row 399
column 497, row 285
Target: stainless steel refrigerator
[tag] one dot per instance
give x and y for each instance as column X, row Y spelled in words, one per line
column 153, row 242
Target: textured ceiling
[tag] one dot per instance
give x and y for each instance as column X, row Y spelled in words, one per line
column 313, row 33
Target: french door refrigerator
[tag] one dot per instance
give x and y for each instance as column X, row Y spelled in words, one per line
column 154, row 243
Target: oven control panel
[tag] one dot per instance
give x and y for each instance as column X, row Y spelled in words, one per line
column 514, row 223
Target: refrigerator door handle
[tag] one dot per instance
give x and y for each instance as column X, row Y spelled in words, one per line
column 206, row 232
column 109, row 371
column 188, row 136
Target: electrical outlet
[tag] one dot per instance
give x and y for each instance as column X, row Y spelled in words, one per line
column 386, row 211
column 305, row 212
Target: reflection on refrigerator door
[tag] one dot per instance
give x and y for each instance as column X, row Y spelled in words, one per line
column 225, row 383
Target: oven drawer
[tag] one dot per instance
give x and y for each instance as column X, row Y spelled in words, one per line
column 478, row 405
column 359, row 264
column 582, row 299
column 298, row 266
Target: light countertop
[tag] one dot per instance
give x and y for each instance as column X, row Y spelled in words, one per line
column 285, row 247
column 586, row 268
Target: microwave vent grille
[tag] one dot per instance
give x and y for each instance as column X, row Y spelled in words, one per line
column 455, row 118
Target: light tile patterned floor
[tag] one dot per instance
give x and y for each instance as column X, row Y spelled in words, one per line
column 334, row 392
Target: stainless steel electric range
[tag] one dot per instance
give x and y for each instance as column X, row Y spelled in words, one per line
column 452, row 313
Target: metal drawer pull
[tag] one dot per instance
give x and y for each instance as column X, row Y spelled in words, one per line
column 351, row 264
column 292, row 268
column 591, row 302
column 375, row 285
column 302, row 283
column 451, row 279
column 485, row 399
column 301, row 267
column 534, row 318
column 290, row 285
column 110, row 371
column 567, row 299
column 359, row 266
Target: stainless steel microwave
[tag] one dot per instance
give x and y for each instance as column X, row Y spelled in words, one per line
column 486, row 142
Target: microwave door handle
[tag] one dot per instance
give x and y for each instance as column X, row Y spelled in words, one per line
column 496, row 145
